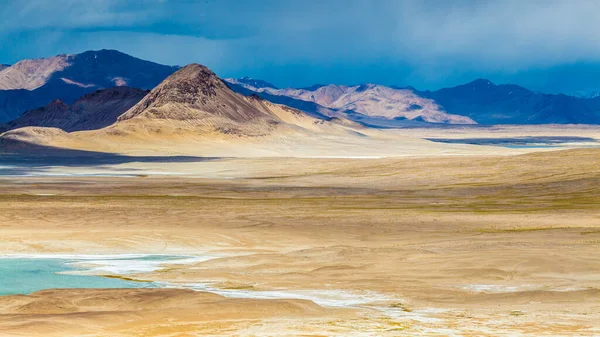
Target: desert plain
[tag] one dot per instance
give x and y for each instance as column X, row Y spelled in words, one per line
column 486, row 242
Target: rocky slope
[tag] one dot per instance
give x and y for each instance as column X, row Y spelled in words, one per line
column 194, row 111
column 90, row 112
column 369, row 103
column 194, row 98
column 33, row 83
column 311, row 108
column 32, row 74
column 480, row 101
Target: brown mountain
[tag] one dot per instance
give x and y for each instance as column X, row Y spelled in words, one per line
column 193, row 103
column 194, row 98
column 90, row 112
column 193, row 112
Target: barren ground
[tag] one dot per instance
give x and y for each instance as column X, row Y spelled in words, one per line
column 469, row 246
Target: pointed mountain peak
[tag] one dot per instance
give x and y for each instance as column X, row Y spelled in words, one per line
column 193, row 70
column 192, row 81
column 194, row 94
column 195, row 100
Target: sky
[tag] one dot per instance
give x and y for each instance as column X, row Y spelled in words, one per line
column 545, row 45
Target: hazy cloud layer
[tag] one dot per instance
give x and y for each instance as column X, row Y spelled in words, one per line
column 549, row 45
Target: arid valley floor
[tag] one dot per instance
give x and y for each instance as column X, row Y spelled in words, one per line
column 470, row 245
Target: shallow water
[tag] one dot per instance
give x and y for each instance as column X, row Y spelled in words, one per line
column 24, row 276
column 524, row 142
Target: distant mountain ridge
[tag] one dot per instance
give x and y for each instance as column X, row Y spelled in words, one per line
column 32, row 74
column 479, row 101
column 368, row 103
column 191, row 106
column 29, row 84
column 195, row 99
column 488, row 103
column 311, row 108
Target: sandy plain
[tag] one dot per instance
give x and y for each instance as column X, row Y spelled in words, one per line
column 479, row 245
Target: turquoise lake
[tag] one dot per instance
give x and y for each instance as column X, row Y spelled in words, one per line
column 540, row 142
column 24, row 276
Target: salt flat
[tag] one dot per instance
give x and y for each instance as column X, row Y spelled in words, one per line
column 436, row 245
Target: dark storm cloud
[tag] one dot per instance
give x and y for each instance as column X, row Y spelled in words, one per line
column 423, row 43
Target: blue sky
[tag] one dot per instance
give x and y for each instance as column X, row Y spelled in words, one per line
column 546, row 45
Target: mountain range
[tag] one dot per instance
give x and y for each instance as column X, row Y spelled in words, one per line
column 28, row 87
column 194, row 98
column 477, row 102
column 92, row 111
column 191, row 111
column 488, row 103
column 368, row 103
column 30, row 84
